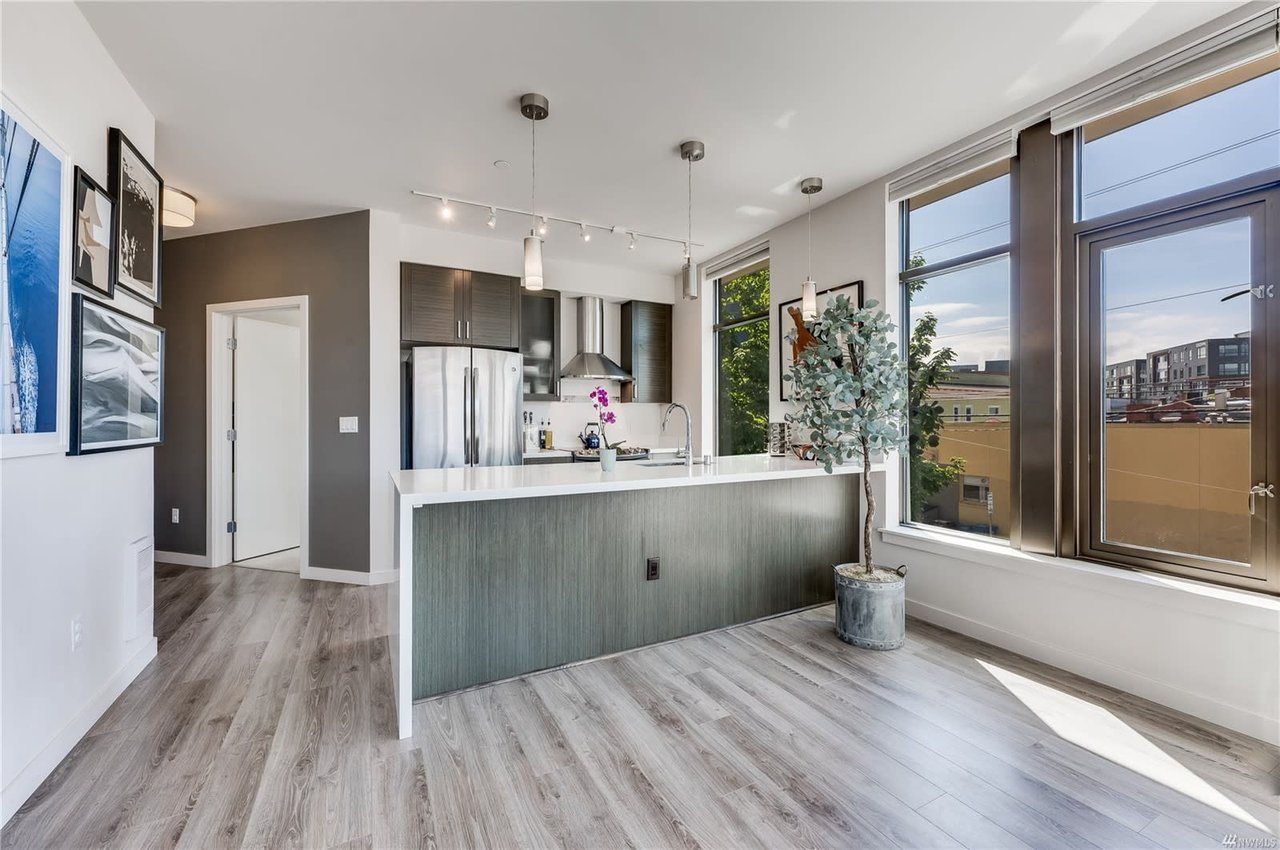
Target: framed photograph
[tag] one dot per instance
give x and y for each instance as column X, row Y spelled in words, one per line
column 137, row 190
column 786, row 325
column 91, row 216
column 117, row 379
column 34, row 269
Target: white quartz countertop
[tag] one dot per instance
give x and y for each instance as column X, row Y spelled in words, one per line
column 483, row 483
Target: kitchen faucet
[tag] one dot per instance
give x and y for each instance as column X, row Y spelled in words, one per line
column 688, row 430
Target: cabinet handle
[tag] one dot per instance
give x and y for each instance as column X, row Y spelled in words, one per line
column 459, row 329
column 468, row 329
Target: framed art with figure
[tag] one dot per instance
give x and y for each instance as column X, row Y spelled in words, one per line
column 787, row 326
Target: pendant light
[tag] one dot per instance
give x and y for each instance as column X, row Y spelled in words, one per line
column 691, row 151
column 810, row 186
column 535, row 107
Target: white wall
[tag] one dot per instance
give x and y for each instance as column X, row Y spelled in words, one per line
column 66, row 522
column 391, row 242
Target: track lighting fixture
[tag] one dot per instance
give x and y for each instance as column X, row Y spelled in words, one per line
column 446, row 211
column 542, row 227
column 493, row 218
column 582, row 232
column 631, row 244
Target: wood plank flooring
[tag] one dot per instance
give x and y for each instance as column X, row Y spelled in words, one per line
column 267, row 721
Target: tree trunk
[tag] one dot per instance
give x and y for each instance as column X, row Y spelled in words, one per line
column 870, row 519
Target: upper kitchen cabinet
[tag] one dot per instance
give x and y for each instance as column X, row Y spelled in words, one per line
column 440, row 306
column 646, row 351
column 540, row 344
column 431, row 304
column 493, row 317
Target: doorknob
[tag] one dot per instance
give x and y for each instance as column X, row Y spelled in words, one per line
column 1260, row 489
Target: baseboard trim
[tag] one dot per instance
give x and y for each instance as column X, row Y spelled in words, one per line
column 348, row 576
column 182, row 559
column 22, row 786
column 1189, row 702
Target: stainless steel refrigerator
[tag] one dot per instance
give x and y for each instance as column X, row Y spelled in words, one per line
column 468, row 406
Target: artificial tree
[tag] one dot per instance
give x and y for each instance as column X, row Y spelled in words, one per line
column 850, row 387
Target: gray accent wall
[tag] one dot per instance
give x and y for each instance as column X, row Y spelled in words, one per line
column 326, row 259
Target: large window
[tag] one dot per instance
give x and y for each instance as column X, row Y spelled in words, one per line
column 956, row 296
column 1169, row 459
column 742, row 360
column 1140, row 225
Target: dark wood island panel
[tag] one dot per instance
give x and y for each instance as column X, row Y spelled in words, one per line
column 506, row 587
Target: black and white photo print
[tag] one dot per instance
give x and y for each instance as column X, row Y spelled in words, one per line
column 91, row 235
column 117, row 379
column 137, row 189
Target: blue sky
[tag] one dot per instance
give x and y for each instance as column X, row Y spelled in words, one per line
column 1230, row 134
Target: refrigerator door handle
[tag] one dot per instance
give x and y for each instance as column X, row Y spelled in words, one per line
column 466, row 416
column 475, row 434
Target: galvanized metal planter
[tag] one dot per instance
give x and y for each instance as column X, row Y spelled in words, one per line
column 871, row 614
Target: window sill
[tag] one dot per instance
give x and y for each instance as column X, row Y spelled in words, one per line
column 1244, row 607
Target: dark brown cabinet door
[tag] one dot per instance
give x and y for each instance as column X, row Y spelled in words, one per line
column 646, row 351
column 493, row 316
column 431, row 302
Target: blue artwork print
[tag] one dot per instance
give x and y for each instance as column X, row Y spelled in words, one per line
column 30, row 244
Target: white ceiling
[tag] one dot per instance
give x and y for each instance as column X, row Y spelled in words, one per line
column 276, row 111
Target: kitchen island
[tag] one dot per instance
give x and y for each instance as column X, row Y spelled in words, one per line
column 507, row 570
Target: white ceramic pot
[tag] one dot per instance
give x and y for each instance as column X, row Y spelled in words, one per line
column 608, row 459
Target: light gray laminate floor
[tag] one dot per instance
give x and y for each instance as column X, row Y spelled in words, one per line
column 267, row 721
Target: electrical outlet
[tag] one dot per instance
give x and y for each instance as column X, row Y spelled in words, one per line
column 651, row 569
column 173, row 516
column 77, row 634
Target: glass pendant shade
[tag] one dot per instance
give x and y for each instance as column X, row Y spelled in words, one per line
column 532, row 263
column 809, row 300
column 689, row 281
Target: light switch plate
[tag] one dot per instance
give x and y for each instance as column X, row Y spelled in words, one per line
column 348, row 424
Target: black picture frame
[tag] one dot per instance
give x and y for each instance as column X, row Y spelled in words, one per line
column 80, row 303
column 83, row 270
column 784, row 325
column 119, row 146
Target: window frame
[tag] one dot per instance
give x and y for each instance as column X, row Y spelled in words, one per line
column 760, row 256
column 973, row 259
column 1259, row 191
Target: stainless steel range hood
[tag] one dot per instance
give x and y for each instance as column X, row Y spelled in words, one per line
column 590, row 361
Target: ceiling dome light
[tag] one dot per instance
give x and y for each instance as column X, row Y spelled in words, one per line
column 493, row 218
column 178, row 209
column 691, row 151
column 810, row 186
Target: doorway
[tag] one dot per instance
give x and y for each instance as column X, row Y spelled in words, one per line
column 258, row 434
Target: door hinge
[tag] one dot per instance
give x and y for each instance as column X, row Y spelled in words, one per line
column 231, row 527
column 231, row 434
column 231, row 343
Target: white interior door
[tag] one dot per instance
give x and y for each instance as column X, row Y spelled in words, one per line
column 267, row 451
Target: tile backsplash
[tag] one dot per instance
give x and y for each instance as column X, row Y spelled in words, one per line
column 638, row 424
